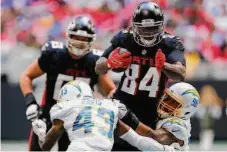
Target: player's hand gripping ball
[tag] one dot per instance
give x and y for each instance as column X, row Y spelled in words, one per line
column 160, row 59
column 119, row 60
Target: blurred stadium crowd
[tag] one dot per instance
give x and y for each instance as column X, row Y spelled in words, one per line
column 201, row 24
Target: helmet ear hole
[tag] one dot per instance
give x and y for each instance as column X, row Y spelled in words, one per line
column 187, row 113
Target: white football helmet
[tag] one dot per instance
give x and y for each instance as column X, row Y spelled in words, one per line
column 180, row 100
column 74, row 90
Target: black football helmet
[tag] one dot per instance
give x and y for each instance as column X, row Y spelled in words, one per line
column 81, row 34
column 147, row 23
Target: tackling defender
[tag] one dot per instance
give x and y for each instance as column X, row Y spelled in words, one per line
column 63, row 63
column 175, row 108
column 90, row 122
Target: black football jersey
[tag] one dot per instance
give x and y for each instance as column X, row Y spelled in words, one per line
column 142, row 85
column 60, row 68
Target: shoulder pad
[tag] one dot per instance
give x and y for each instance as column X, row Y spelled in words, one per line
column 58, row 111
column 97, row 52
column 120, row 38
column 173, row 42
column 177, row 127
column 52, row 45
column 116, row 102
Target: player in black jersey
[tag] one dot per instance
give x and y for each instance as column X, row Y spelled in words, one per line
column 156, row 57
column 62, row 64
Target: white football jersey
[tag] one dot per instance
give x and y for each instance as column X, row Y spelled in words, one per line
column 89, row 122
column 180, row 128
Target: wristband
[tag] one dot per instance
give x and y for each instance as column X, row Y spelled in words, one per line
column 30, row 99
column 131, row 120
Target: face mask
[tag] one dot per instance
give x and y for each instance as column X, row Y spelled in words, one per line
column 148, row 42
column 78, row 48
column 78, row 52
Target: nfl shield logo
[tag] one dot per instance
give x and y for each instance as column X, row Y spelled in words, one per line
column 144, row 51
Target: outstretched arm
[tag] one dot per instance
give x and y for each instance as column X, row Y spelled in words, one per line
column 141, row 142
column 47, row 141
column 161, row 135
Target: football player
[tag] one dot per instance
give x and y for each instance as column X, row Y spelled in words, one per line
column 90, row 122
column 175, row 108
column 63, row 63
column 156, row 57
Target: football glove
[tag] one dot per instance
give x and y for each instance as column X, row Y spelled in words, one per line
column 32, row 112
column 117, row 60
column 39, row 128
column 160, row 59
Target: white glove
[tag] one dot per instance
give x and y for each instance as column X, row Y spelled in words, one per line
column 122, row 109
column 39, row 128
column 169, row 148
column 176, row 146
column 32, row 112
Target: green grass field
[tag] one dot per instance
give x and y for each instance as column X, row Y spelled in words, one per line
column 22, row 146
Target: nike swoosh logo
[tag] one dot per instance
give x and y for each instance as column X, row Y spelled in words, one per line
column 175, row 130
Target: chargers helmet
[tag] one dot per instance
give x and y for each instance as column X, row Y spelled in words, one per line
column 80, row 34
column 74, row 90
column 180, row 100
column 147, row 23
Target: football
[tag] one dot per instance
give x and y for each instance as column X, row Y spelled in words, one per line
column 118, row 70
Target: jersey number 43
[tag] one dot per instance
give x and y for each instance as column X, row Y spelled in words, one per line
column 149, row 82
column 86, row 121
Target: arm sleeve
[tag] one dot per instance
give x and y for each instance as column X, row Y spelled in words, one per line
column 45, row 58
column 177, row 54
column 144, row 143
